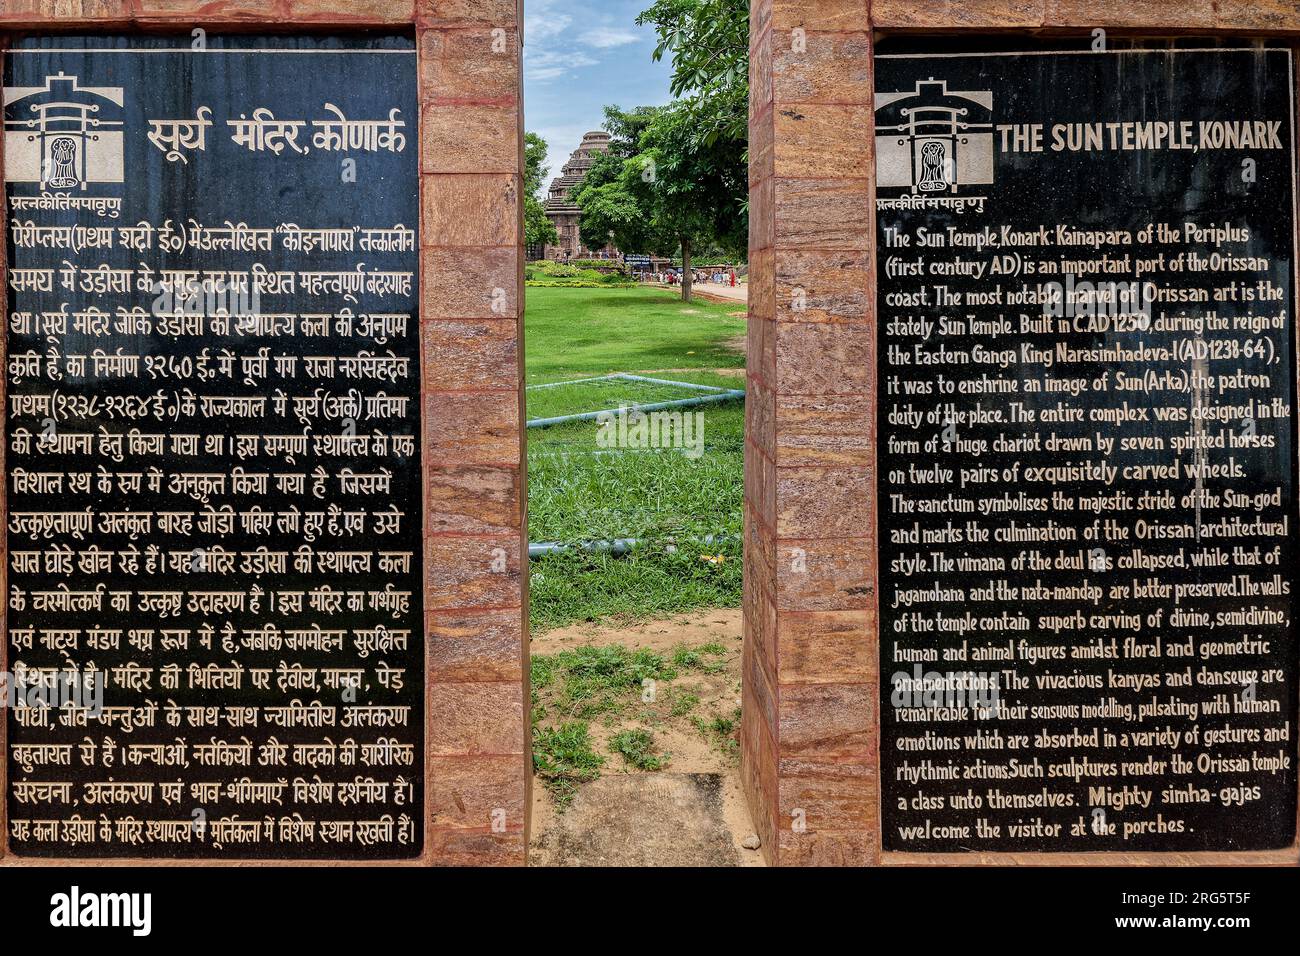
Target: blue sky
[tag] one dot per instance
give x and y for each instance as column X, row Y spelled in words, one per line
column 580, row 55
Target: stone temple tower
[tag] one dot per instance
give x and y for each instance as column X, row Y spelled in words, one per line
column 560, row 208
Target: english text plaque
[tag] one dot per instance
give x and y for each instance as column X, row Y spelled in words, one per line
column 1087, row 450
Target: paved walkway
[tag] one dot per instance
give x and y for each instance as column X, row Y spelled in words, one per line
column 740, row 293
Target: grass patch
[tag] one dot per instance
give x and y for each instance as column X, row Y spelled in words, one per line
column 590, row 682
column 664, row 498
column 682, row 703
column 707, row 657
column 564, row 759
column 611, row 394
column 637, row 748
column 595, row 331
column 579, row 491
column 647, row 583
column 721, row 731
column 626, row 695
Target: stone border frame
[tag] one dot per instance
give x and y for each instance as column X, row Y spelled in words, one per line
column 810, row 725
column 477, row 761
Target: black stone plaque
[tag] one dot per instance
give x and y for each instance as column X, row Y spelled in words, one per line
column 1087, row 451
column 212, row 427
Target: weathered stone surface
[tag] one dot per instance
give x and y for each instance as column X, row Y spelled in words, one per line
column 824, row 502
column 825, row 358
column 33, row 12
column 760, row 484
column 760, row 412
column 824, row 286
column 820, row 141
column 827, row 720
column 470, row 210
column 193, row 10
column 455, row 846
column 826, row 848
column 824, row 431
column 959, row 13
column 826, row 647
column 469, row 138
column 828, row 574
column 473, row 500
column 827, row 15
column 473, row 283
column 352, row 11
column 821, row 68
column 477, row 791
column 463, row 12
column 484, row 717
column 472, row 645
column 821, row 213
column 472, row 428
column 828, row 793
column 472, row 572
column 461, row 354
column 758, row 773
column 477, row 64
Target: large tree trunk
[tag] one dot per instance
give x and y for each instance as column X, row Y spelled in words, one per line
column 687, row 275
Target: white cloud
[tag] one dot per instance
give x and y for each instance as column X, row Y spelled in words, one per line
column 542, row 22
column 554, row 47
column 546, row 64
column 605, row 37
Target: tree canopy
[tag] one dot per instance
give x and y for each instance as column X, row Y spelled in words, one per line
column 538, row 230
column 675, row 178
column 708, row 41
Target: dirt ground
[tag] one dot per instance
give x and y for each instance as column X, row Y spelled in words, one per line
column 690, row 813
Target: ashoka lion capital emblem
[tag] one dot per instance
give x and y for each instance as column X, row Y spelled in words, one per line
column 63, row 135
column 63, row 167
column 934, row 140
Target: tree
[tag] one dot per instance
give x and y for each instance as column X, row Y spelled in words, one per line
column 611, row 209
column 673, row 193
column 676, row 177
column 709, row 44
column 538, row 230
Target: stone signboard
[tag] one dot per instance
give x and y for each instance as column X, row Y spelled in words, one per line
column 1086, row 446
column 213, row 436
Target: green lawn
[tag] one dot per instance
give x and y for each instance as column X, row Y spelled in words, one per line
column 572, row 333
column 580, row 491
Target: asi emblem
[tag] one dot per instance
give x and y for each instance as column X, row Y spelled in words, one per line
column 932, row 141
column 62, row 135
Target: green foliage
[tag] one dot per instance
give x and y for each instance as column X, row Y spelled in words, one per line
column 683, row 702
column 721, row 731
column 538, row 230
column 577, row 273
column 572, row 687
column 600, row 265
column 706, row 657
column 576, row 496
column 591, row 682
column 650, row 582
column 563, row 757
column 637, row 748
column 666, row 188
column 708, row 41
